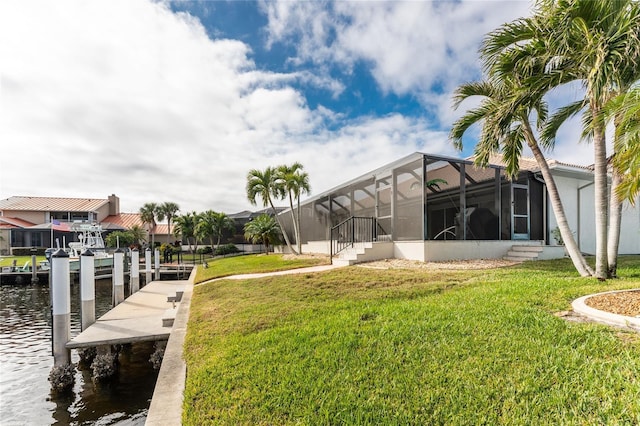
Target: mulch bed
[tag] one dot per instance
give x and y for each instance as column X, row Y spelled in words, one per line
column 625, row 303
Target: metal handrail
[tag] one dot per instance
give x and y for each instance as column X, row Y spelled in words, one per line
column 352, row 230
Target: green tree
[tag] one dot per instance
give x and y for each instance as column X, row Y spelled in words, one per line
column 123, row 238
column 262, row 229
column 205, row 227
column 505, row 112
column 626, row 107
column 598, row 44
column 221, row 223
column 185, row 227
column 148, row 216
column 139, row 234
column 594, row 42
column 292, row 181
column 264, row 185
column 167, row 210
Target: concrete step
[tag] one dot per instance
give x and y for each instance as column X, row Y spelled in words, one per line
column 526, row 255
column 537, row 249
column 343, row 262
column 169, row 317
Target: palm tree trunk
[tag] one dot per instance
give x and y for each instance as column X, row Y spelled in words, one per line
column 571, row 246
column 296, row 231
column 298, row 222
column 601, row 202
column 615, row 219
column 284, row 232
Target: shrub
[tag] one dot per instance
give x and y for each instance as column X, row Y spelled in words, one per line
column 204, row 250
column 27, row 251
column 226, row 249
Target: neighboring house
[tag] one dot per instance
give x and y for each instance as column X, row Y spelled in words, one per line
column 432, row 208
column 240, row 219
column 40, row 221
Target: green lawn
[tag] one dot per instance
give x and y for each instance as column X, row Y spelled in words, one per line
column 255, row 263
column 398, row 347
column 20, row 260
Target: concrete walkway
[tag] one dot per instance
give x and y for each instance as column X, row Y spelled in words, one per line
column 166, row 403
column 138, row 318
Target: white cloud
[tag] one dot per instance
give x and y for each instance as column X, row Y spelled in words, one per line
column 127, row 97
column 413, row 47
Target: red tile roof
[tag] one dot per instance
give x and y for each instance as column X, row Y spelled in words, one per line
column 52, row 204
column 14, row 222
column 128, row 220
column 125, row 220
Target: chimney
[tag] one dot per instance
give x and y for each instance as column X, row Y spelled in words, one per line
column 114, row 205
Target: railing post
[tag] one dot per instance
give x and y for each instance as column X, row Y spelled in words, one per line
column 134, row 273
column 118, row 277
column 87, row 289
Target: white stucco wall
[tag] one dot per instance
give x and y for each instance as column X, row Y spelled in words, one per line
column 630, row 228
column 578, row 200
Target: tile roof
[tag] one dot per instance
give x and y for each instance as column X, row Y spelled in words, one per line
column 124, row 220
column 52, row 204
column 530, row 164
column 161, row 229
column 14, row 222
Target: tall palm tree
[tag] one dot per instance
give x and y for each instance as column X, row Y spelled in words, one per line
column 598, row 43
column 263, row 229
column 148, row 217
column 222, row 223
column 167, row 210
column 505, row 112
column 294, row 182
column 264, row 185
column 185, row 226
column 594, row 42
column 205, row 227
column 626, row 108
column 138, row 233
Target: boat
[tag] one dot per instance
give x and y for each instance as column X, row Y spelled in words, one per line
column 90, row 238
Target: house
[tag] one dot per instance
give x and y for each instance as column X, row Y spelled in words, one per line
column 40, row 221
column 433, row 208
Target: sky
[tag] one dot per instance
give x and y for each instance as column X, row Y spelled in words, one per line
column 177, row 101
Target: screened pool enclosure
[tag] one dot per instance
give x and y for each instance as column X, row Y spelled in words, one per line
column 425, row 197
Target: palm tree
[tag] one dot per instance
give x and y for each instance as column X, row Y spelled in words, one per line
column 263, row 229
column 626, row 107
column 594, row 42
column 205, row 227
column 185, row 226
column 139, row 235
column 222, row 223
column 294, row 182
column 264, row 185
column 599, row 44
column 148, row 217
column 167, row 210
column 505, row 112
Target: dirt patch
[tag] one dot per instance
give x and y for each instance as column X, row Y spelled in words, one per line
column 453, row 264
column 625, row 303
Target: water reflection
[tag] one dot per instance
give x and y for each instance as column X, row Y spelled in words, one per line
column 26, row 359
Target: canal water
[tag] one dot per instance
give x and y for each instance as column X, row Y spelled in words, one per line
column 26, row 360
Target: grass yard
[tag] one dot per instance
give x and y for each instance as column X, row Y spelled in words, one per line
column 255, row 263
column 20, row 260
column 395, row 347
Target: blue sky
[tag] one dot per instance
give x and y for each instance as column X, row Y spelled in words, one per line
column 158, row 101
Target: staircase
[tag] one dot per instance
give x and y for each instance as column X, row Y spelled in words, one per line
column 364, row 252
column 521, row 253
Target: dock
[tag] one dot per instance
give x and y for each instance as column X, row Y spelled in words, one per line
column 139, row 318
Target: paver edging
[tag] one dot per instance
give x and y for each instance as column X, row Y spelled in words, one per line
column 579, row 306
